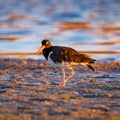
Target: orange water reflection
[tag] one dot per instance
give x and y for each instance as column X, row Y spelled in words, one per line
column 87, row 25
column 74, row 25
column 10, row 38
column 25, row 55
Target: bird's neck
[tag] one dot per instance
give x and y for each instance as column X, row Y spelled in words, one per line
column 46, row 52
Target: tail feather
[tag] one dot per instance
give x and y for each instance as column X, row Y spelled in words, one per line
column 90, row 67
column 92, row 61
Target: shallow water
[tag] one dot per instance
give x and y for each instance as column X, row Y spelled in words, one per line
column 88, row 26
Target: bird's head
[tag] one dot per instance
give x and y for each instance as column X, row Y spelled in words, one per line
column 45, row 44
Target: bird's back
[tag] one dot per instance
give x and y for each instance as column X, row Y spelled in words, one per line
column 68, row 54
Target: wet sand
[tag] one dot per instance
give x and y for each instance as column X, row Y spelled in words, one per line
column 29, row 89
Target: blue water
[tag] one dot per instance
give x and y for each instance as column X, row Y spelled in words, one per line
column 31, row 21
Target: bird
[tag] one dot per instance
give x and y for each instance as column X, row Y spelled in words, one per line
column 64, row 57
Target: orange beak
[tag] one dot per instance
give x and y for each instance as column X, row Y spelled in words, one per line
column 40, row 50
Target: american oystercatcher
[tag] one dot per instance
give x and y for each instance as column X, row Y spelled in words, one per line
column 64, row 57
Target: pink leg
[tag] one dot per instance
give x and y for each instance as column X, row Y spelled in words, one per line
column 63, row 76
column 65, row 80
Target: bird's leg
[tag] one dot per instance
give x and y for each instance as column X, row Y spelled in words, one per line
column 65, row 80
column 63, row 77
column 70, row 76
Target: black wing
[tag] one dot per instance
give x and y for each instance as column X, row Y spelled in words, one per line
column 68, row 54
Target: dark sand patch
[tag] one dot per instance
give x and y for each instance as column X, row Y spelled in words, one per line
column 29, row 90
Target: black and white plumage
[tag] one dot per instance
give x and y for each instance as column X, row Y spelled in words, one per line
column 65, row 57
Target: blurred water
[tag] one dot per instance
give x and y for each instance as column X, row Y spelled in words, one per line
column 86, row 25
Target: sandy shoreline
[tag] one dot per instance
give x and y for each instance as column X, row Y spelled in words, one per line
column 29, row 90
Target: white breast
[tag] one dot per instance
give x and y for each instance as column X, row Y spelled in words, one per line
column 51, row 61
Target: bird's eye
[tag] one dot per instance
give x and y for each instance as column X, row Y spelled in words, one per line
column 47, row 42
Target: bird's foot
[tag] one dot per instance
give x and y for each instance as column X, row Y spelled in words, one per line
column 64, row 82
